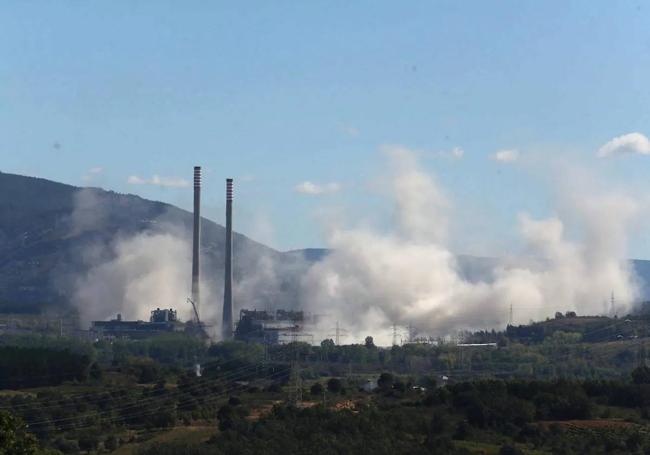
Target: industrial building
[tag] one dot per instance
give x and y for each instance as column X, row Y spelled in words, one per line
column 160, row 321
column 166, row 320
column 267, row 327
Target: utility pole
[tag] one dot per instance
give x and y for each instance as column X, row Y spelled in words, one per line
column 394, row 335
column 295, row 392
column 338, row 334
column 295, row 396
column 460, row 338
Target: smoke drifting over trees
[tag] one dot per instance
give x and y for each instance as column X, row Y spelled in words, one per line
column 372, row 280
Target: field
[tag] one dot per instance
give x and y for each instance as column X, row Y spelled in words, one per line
column 183, row 434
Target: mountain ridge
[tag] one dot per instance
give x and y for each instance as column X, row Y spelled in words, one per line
column 47, row 230
column 45, row 227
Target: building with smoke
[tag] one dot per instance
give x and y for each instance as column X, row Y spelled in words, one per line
column 279, row 327
column 161, row 321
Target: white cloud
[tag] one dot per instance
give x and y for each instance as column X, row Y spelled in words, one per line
column 316, row 189
column 457, row 152
column 505, row 156
column 350, row 130
column 135, row 180
column 156, row 180
column 92, row 173
column 627, row 143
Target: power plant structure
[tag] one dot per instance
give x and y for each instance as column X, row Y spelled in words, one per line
column 161, row 321
column 268, row 327
column 196, row 243
column 165, row 321
column 226, row 323
column 281, row 326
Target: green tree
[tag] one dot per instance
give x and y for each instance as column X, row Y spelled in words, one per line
column 385, row 381
column 317, row 389
column 226, row 416
column 89, row 440
column 641, row 375
column 328, row 344
column 14, row 438
column 334, row 385
column 111, row 443
column 508, row 449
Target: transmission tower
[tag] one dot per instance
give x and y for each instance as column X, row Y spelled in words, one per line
column 510, row 320
column 396, row 333
column 338, row 333
column 412, row 333
column 295, row 390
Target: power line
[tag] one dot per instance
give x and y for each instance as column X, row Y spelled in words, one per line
column 173, row 394
column 151, row 400
column 49, row 402
column 149, row 411
column 45, row 403
column 295, row 389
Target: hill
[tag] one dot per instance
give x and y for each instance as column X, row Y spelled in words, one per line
column 51, row 233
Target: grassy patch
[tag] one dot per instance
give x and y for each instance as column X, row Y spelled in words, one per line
column 191, row 434
column 484, row 448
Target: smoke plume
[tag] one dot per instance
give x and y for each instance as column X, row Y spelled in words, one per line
column 373, row 280
column 130, row 264
column 146, row 271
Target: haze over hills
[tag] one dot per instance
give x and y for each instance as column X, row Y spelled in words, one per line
column 477, row 268
column 54, row 238
column 51, row 234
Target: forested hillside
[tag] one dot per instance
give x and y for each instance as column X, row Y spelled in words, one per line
column 48, row 228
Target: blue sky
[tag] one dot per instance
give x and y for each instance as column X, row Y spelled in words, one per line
column 278, row 93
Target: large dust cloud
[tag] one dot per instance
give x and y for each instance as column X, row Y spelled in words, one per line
column 373, row 279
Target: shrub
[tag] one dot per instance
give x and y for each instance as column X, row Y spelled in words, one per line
column 334, row 385
column 317, row 389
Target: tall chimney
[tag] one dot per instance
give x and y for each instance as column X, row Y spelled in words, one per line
column 196, row 238
column 226, row 327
